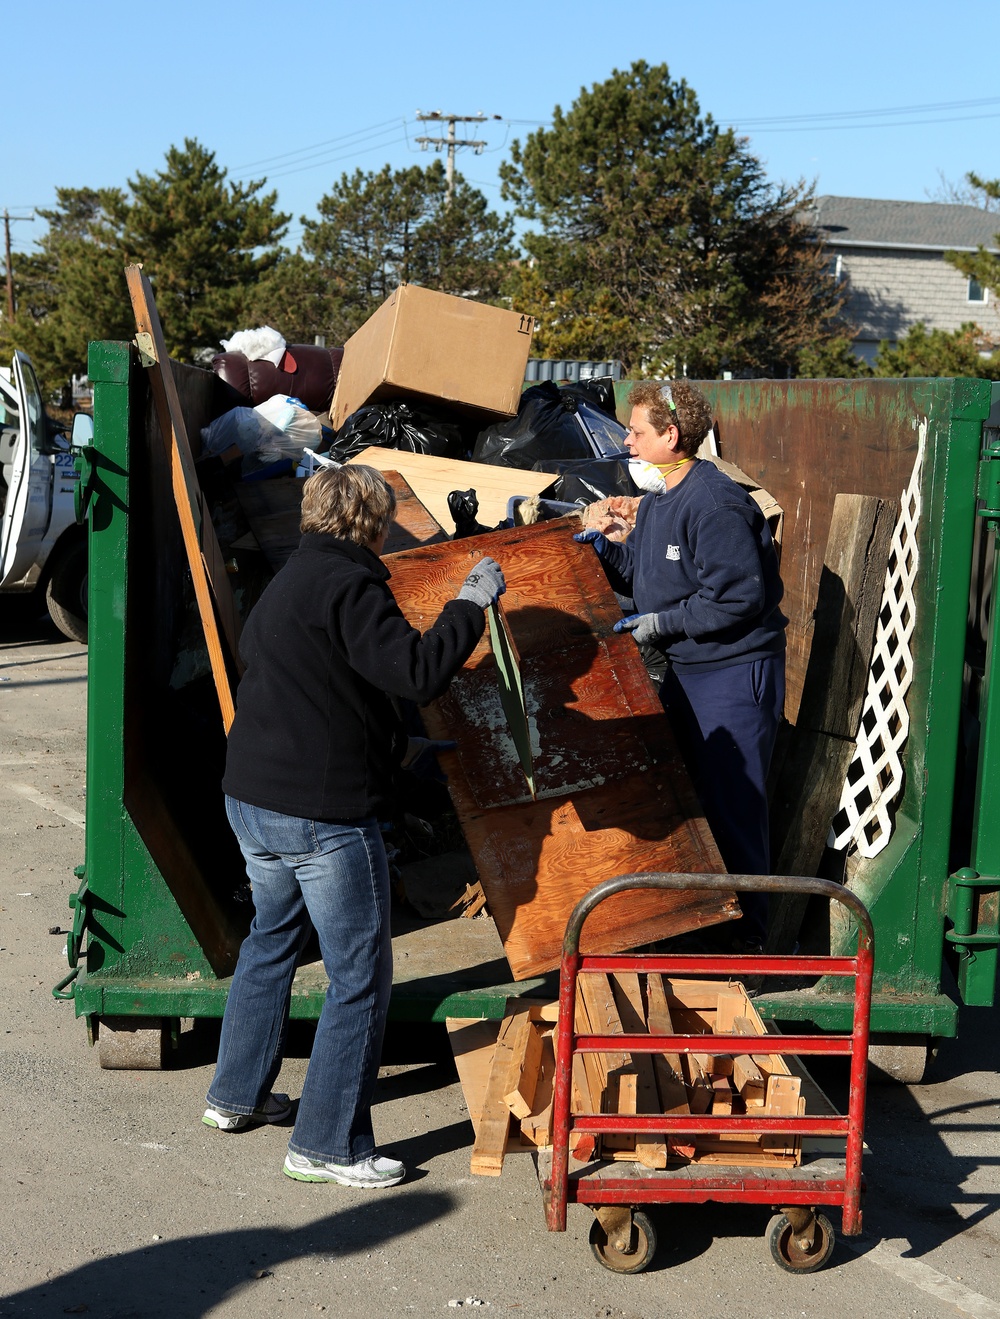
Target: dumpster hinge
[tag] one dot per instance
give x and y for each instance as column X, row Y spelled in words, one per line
column 146, row 347
column 974, row 912
column 80, row 906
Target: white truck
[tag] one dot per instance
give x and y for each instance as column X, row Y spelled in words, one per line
column 42, row 547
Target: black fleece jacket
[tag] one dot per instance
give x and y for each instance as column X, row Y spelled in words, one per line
column 316, row 734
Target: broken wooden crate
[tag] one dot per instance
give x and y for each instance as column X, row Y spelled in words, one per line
column 507, row 1073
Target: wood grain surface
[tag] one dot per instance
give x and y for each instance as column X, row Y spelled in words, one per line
column 613, row 796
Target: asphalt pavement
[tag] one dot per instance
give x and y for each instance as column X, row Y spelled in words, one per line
column 118, row 1202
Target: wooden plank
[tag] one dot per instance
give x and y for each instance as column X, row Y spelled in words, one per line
column 847, row 607
column 526, row 1060
column 628, row 997
column 537, row 1126
column 613, row 796
column 819, row 749
column 669, row 1077
column 220, row 619
column 494, row 1120
column 722, row 1096
column 273, row 510
column 748, row 1080
column 433, row 479
column 782, row 1099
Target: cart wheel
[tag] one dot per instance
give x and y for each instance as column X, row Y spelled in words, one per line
column 625, row 1261
column 132, row 1043
column 786, row 1252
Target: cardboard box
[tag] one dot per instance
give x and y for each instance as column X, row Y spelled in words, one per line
column 437, row 348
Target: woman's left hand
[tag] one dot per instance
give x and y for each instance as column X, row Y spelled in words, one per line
column 644, row 627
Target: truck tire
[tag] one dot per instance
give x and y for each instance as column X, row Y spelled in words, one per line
column 66, row 592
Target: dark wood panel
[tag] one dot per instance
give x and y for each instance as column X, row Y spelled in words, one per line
column 613, row 794
column 272, row 508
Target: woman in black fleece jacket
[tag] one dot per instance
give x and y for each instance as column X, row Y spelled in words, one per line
column 703, row 572
column 312, row 757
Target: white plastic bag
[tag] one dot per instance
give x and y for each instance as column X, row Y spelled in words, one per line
column 295, row 425
column 244, row 427
column 261, row 344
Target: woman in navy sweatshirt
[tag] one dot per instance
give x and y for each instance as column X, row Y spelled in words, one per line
column 703, row 572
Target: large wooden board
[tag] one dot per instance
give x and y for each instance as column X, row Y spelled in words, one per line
column 219, row 617
column 433, row 479
column 273, row 509
column 613, row 796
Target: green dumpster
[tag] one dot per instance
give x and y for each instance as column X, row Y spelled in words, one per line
column 162, row 904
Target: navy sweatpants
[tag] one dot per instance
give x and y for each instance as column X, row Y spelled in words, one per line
column 726, row 721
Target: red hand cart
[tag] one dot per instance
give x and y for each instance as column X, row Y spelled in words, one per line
column 623, row 1238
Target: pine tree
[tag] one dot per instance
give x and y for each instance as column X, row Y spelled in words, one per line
column 660, row 240
column 923, row 352
column 72, row 288
column 204, row 242
column 982, row 265
column 375, row 231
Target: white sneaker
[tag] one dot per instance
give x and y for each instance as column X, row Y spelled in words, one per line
column 275, row 1108
column 376, row 1171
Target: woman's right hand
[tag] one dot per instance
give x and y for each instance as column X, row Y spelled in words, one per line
column 484, row 585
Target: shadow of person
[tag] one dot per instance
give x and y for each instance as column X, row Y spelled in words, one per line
column 191, row 1276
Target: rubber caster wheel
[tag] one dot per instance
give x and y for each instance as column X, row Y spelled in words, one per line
column 132, row 1043
column 789, row 1255
column 640, row 1254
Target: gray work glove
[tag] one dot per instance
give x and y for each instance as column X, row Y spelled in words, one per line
column 644, row 627
column 484, row 585
column 592, row 537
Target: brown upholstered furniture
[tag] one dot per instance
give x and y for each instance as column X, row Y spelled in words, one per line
column 306, row 372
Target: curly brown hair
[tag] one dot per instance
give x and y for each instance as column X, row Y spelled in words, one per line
column 690, row 412
column 353, row 502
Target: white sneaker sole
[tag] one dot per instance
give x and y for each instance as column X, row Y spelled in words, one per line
column 325, row 1174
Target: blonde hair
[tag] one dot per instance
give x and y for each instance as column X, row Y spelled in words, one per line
column 674, row 403
column 353, row 502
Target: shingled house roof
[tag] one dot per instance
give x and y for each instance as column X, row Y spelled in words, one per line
column 864, row 221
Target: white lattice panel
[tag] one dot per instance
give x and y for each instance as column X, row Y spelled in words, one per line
column 874, row 782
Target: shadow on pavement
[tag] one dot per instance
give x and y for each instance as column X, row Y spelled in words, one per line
column 189, row 1277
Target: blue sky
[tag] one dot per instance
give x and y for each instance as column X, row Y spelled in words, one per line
column 99, row 92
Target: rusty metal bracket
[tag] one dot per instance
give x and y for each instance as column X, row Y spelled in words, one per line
column 618, row 1227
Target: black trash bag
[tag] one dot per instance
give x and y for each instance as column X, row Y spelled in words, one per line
column 588, row 481
column 598, row 391
column 463, row 505
column 398, row 424
column 551, row 422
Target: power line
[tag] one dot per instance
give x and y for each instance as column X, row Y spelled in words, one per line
column 900, row 123
column 318, row 146
column 827, row 115
column 330, row 160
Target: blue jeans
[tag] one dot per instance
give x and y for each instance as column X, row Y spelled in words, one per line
column 332, row 877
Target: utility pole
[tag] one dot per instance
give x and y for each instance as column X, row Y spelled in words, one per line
column 451, row 142
column 8, row 220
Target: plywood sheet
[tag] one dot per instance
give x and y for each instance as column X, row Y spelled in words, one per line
column 433, row 479
column 613, row 796
column 272, row 508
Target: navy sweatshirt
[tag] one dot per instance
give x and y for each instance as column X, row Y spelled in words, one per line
column 316, row 733
column 701, row 558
